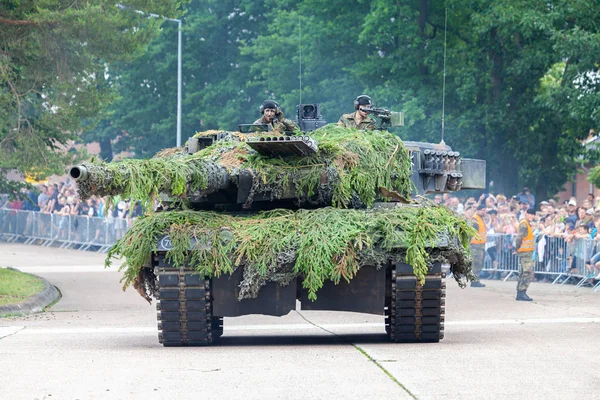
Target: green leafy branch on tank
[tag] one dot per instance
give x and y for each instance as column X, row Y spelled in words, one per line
column 324, row 244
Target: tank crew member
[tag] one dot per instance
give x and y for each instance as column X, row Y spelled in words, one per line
column 359, row 118
column 478, row 244
column 525, row 244
column 273, row 116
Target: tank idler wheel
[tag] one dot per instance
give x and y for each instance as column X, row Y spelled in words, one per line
column 415, row 312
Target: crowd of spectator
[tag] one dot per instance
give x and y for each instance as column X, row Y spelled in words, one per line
column 557, row 228
column 61, row 200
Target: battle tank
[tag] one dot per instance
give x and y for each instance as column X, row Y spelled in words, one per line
column 250, row 223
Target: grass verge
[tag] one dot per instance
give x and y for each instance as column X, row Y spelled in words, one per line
column 16, row 287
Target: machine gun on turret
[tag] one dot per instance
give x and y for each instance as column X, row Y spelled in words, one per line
column 388, row 118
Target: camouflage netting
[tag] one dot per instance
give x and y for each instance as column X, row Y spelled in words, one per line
column 350, row 170
column 279, row 245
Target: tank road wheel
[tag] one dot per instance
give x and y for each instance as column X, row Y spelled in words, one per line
column 415, row 312
column 185, row 309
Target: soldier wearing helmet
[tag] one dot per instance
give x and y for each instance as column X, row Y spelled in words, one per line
column 359, row 119
column 273, row 116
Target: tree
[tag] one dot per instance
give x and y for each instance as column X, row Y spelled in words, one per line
column 217, row 93
column 499, row 103
column 311, row 44
column 53, row 57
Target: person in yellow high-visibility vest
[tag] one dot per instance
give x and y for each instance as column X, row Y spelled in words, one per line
column 478, row 244
column 525, row 244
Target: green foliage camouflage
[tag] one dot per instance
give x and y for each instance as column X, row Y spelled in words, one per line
column 317, row 245
column 356, row 164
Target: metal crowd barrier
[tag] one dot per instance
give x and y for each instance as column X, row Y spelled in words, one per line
column 65, row 231
column 561, row 260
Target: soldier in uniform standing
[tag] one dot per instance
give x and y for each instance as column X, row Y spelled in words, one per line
column 273, row 116
column 525, row 244
column 478, row 244
column 359, row 119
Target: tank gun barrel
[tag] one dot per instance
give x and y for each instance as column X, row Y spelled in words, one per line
column 119, row 178
column 78, row 172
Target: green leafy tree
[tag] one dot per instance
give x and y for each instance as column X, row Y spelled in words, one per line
column 500, row 105
column 53, row 58
column 311, row 44
column 217, row 90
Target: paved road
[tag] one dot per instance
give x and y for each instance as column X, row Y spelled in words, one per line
column 99, row 342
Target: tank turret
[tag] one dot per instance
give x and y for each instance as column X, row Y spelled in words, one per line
column 238, row 174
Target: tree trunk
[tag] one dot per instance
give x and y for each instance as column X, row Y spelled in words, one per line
column 506, row 174
column 497, row 80
column 423, row 10
column 422, row 16
column 106, row 152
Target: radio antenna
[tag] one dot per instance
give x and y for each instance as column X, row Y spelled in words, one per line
column 300, row 54
column 444, row 80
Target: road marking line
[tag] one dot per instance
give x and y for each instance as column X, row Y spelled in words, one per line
column 4, row 331
column 9, row 330
column 568, row 320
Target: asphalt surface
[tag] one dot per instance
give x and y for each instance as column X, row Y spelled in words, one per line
column 99, row 342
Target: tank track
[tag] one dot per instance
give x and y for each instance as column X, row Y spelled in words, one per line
column 185, row 309
column 415, row 312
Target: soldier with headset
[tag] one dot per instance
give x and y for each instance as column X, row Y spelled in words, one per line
column 273, row 116
column 359, row 119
